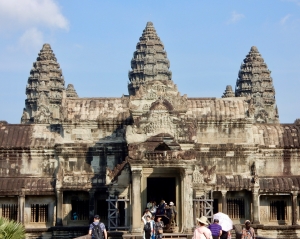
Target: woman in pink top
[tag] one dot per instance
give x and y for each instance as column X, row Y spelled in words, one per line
column 202, row 231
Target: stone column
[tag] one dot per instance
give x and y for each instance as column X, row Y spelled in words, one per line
column 294, row 208
column 187, row 202
column 224, row 201
column 92, row 204
column 136, row 199
column 255, row 203
column 59, row 207
column 21, row 205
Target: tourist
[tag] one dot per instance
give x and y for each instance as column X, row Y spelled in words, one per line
column 148, row 228
column 171, row 213
column 159, row 225
column 225, row 235
column 248, row 232
column 161, row 208
column 153, row 209
column 216, row 229
column 149, row 204
column 202, row 229
column 153, row 226
column 97, row 229
column 146, row 213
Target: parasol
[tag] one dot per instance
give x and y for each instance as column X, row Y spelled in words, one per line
column 224, row 221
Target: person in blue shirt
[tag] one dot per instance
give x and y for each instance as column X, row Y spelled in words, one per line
column 216, row 229
column 102, row 227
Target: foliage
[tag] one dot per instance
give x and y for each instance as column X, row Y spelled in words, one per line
column 10, row 229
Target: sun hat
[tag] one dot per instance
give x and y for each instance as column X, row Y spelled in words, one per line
column 171, row 204
column 247, row 222
column 203, row 220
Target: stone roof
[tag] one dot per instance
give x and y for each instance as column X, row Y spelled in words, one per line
column 95, row 109
column 25, row 136
column 218, row 109
column 234, row 182
column 284, row 136
column 279, row 184
column 149, row 61
column 33, row 186
column 12, row 135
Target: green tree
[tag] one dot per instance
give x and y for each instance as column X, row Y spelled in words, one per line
column 10, row 229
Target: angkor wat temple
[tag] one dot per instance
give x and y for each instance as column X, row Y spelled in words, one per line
column 110, row 156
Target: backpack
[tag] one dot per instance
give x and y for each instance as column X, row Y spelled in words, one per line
column 97, row 232
column 147, row 227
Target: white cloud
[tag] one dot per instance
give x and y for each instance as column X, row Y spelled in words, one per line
column 16, row 14
column 235, row 17
column 31, row 39
column 284, row 19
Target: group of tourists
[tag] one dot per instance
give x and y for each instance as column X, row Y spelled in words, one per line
column 154, row 217
column 163, row 209
column 153, row 229
column 214, row 230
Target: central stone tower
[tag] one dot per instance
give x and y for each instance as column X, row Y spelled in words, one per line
column 149, row 61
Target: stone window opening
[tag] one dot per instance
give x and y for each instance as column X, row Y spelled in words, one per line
column 236, row 208
column 278, row 210
column 39, row 213
column 102, row 210
column 80, row 210
column 10, row 211
column 162, row 147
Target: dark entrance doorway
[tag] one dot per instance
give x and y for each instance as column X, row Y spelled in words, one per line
column 161, row 188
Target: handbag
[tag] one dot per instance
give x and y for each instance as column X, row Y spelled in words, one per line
column 160, row 231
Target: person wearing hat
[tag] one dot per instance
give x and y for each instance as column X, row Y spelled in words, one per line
column 172, row 213
column 248, row 232
column 216, row 229
column 202, row 231
column 97, row 229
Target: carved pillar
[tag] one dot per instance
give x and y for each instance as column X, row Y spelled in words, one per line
column 224, row 202
column 294, row 208
column 255, row 203
column 59, row 207
column 92, row 204
column 21, row 205
column 187, row 200
column 136, row 199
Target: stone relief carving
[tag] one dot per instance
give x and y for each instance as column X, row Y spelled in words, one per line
column 197, row 176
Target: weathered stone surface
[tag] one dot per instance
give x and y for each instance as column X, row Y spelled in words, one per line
column 149, row 62
column 88, row 150
column 255, row 83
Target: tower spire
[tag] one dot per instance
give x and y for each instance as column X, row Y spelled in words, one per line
column 44, row 89
column 149, row 61
column 255, row 82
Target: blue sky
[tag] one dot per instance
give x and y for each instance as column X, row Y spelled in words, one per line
column 94, row 41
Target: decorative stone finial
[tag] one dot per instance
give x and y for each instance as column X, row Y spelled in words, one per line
column 228, row 92
column 71, row 92
column 255, row 82
column 297, row 122
column 254, row 49
column 149, row 61
column 149, row 24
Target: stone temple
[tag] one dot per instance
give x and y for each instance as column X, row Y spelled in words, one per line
column 110, row 156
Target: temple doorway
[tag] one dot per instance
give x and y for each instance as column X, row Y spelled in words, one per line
column 161, row 189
